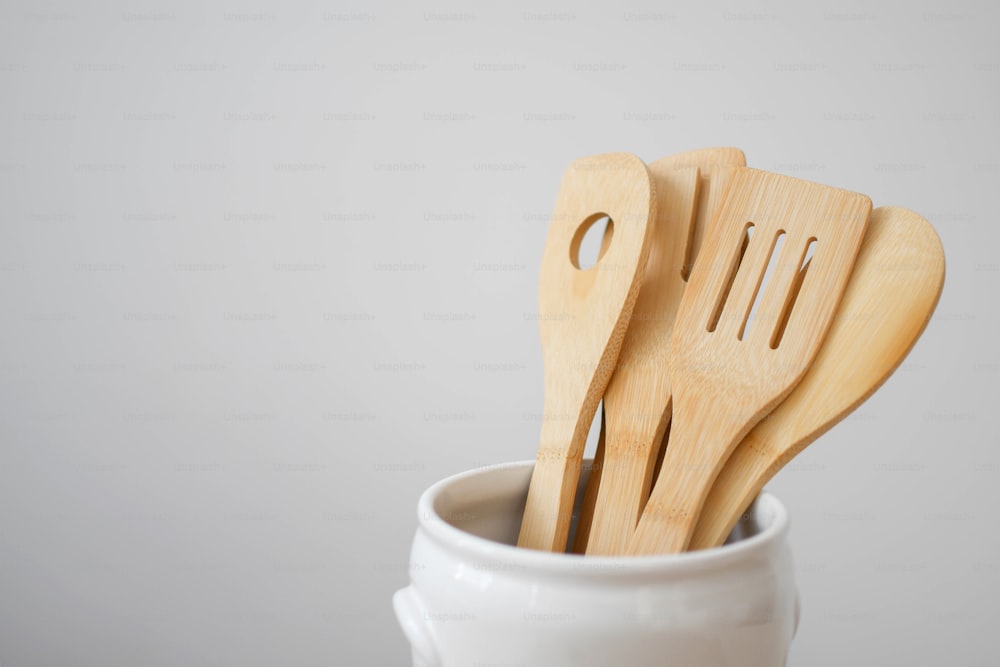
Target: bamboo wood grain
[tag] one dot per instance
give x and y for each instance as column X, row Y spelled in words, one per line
column 714, row 183
column 715, row 166
column 584, row 521
column 637, row 399
column 725, row 373
column 583, row 315
column 704, row 157
column 894, row 288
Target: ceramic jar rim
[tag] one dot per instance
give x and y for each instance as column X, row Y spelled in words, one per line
column 508, row 558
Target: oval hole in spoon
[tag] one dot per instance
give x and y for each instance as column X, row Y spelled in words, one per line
column 591, row 241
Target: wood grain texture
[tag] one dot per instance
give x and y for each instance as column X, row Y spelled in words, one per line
column 894, row 288
column 637, row 399
column 726, row 379
column 703, row 157
column 583, row 316
column 585, row 520
column 714, row 182
column 716, row 166
column 709, row 161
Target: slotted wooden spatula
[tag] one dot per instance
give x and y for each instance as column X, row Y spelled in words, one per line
column 892, row 293
column 582, row 316
column 727, row 371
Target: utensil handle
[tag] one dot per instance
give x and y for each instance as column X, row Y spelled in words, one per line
column 742, row 477
column 586, row 518
column 566, row 421
column 701, row 440
column 626, row 476
column 549, row 508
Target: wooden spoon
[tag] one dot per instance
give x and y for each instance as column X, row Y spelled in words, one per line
column 676, row 227
column 583, row 315
column 894, row 288
column 728, row 372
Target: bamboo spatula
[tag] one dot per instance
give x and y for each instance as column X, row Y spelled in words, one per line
column 715, row 166
column 893, row 290
column 727, row 371
column 637, row 399
column 582, row 316
column 704, row 157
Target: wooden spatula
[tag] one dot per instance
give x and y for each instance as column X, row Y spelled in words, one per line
column 716, row 166
column 583, row 315
column 728, row 371
column 892, row 293
column 676, row 228
column 704, row 157
column 637, row 399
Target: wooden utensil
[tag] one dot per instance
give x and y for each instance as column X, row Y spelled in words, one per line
column 582, row 316
column 704, row 157
column 728, row 371
column 715, row 166
column 892, row 293
column 637, row 399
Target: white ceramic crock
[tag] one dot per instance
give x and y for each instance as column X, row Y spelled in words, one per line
column 477, row 601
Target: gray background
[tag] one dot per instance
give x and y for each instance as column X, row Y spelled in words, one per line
column 267, row 272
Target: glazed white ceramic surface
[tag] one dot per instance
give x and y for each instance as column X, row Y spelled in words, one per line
column 477, row 601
